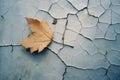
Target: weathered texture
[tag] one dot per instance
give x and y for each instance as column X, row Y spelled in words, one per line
column 82, row 74
column 114, row 72
column 85, row 45
column 24, row 66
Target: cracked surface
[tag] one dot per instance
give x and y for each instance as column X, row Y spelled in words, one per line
column 85, row 46
column 85, row 74
column 24, row 66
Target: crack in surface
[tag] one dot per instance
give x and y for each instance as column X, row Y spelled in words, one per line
column 72, row 5
column 64, row 73
column 58, row 57
column 9, row 8
column 55, row 21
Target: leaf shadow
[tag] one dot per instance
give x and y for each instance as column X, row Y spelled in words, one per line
column 37, row 56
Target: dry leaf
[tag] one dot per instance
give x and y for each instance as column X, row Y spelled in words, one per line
column 41, row 35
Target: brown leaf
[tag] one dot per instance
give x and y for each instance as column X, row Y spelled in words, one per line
column 41, row 35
